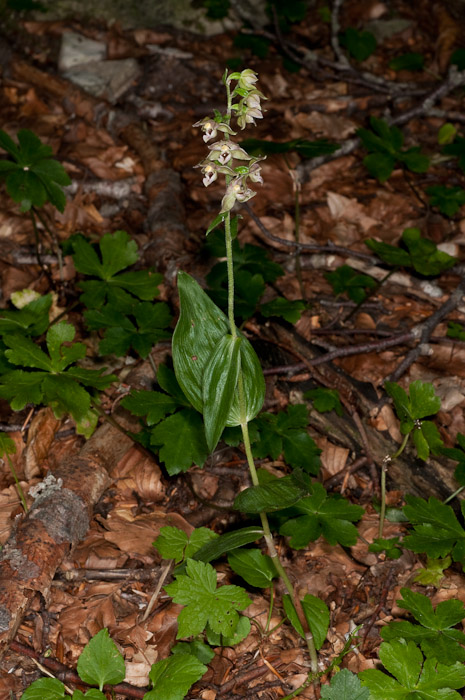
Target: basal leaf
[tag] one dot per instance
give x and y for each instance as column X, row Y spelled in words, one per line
column 200, row 328
column 360, row 44
column 101, row 662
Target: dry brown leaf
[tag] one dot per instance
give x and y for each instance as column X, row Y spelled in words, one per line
column 40, row 436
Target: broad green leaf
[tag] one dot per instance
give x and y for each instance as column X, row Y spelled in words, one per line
column 448, row 200
column 433, row 573
column 204, row 602
column 249, row 258
column 173, row 677
column 26, row 353
column 423, row 400
column 44, row 689
column 446, row 134
column 426, row 258
column 286, row 433
column 152, row 404
column 345, row 279
column 35, row 177
column 173, row 543
column 325, row 400
column 360, row 44
column 143, row 284
column 408, row 61
column 118, row 251
column 101, row 662
column 31, row 319
column 255, row 568
column 454, row 330
column 447, row 613
column 414, row 160
column 201, row 651
column 91, row 377
column 415, row 679
column 389, row 253
column 64, row 395
column 316, row 613
column 200, row 328
column 289, row 310
column 227, row 542
column 457, row 148
column 345, row 685
column 436, row 530
column 276, row 495
column 166, row 378
column 20, row 388
column 242, row 631
column 427, row 439
column 318, row 515
column 389, row 546
column 219, row 386
column 181, row 440
column 141, row 334
column 58, row 334
column 380, row 165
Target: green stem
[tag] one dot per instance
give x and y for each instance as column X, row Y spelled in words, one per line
column 275, row 556
column 229, row 263
column 453, row 495
column 386, row 461
column 18, row 485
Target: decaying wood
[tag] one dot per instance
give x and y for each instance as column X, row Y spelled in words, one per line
column 58, row 519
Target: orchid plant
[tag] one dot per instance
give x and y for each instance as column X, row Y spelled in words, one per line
column 215, row 364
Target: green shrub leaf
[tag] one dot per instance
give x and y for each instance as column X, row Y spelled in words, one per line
column 255, row 568
column 101, row 662
column 204, row 602
column 320, row 514
column 345, row 685
column 173, row 677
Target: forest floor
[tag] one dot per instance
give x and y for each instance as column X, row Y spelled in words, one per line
column 132, row 168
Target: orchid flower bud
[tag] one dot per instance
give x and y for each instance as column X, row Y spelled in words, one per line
column 247, row 79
